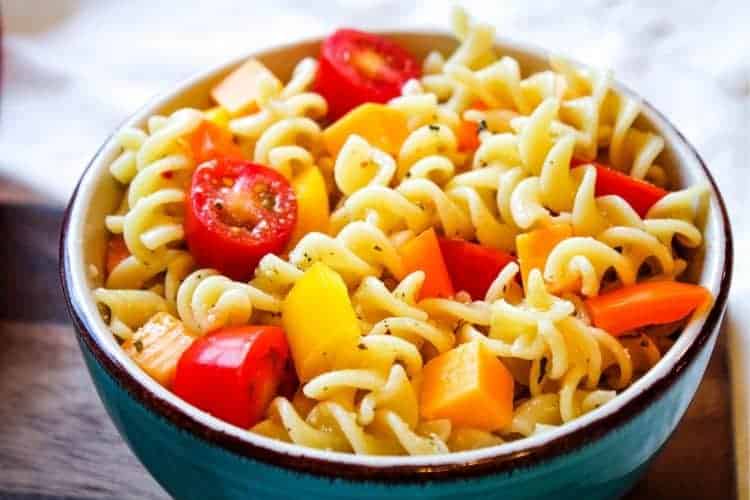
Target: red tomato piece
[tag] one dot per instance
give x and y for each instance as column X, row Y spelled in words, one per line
column 233, row 373
column 641, row 195
column 236, row 213
column 289, row 382
column 473, row 267
column 210, row 142
column 357, row 67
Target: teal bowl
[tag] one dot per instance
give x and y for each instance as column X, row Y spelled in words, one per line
column 196, row 456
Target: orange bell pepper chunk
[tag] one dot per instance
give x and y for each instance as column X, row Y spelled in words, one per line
column 117, row 251
column 643, row 304
column 210, row 142
column 479, row 105
column 468, row 136
column 470, row 387
column 239, row 91
column 534, row 247
column 468, row 132
column 423, row 254
column 157, row 347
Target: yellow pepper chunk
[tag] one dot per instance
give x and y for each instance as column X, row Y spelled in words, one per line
column 242, row 88
column 383, row 127
column 533, row 247
column 218, row 115
column 312, row 203
column 320, row 323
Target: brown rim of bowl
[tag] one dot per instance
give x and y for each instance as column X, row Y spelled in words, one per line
column 502, row 462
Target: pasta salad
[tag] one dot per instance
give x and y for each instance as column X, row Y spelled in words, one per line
column 382, row 256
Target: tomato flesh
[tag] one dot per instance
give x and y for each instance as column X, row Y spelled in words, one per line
column 237, row 212
column 641, row 195
column 233, row 373
column 357, row 67
column 473, row 267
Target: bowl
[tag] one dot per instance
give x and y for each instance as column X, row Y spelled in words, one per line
column 196, row 456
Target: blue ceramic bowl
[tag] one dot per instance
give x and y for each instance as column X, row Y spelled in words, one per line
column 195, row 456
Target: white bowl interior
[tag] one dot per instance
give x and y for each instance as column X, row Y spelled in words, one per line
column 99, row 194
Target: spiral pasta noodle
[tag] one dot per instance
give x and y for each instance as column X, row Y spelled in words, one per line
column 386, row 417
column 291, row 101
column 206, row 301
column 476, row 173
column 156, row 191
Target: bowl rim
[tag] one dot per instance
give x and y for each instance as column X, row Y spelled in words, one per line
column 334, row 465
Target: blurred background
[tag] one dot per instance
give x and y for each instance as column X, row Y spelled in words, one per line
column 73, row 69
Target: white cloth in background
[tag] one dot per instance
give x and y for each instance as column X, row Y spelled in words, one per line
column 74, row 69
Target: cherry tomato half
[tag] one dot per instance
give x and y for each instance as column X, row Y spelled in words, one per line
column 237, row 212
column 233, row 373
column 357, row 67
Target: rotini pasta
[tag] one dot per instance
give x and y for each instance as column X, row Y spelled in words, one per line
column 490, row 176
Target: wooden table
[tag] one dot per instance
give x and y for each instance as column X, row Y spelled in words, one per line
column 56, row 441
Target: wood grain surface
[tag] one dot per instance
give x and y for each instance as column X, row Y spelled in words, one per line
column 56, row 441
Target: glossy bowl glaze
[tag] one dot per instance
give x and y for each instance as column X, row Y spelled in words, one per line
column 195, row 456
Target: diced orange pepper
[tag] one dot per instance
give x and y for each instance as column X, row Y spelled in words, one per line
column 117, row 251
column 479, row 105
column 239, row 91
column 468, row 136
column 423, row 254
column 470, row 387
column 210, row 142
column 533, row 247
column 382, row 126
column 643, row 304
column 468, row 132
column 157, row 346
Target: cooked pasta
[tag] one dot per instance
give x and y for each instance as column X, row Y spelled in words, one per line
column 454, row 261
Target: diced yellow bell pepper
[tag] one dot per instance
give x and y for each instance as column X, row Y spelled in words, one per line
column 383, row 127
column 312, row 203
column 218, row 115
column 240, row 90
column 320, row 322
column 533, row 247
